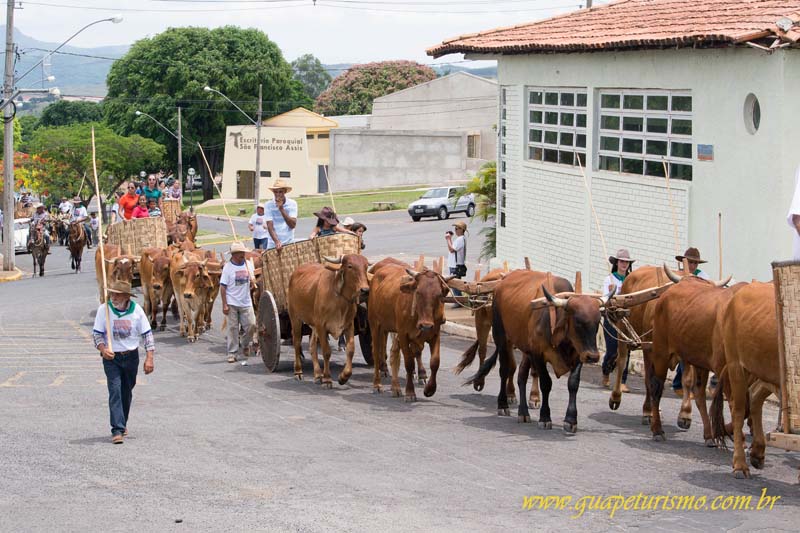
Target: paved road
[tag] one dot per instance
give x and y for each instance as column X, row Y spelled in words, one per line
column 223, row 447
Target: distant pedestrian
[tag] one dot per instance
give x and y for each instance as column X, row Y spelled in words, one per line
column 258, row 227
column 621, row 266
column 237, row 305
column 457, row 248
column 129, row 324
column 94, row 225
column 281, row 215
column 116, row 214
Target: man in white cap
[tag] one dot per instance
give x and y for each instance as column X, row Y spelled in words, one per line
column 234, row 287
column 280, row 215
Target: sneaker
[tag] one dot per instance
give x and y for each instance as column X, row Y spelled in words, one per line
column 231, row 358
column 116, row 439
column 244, row 362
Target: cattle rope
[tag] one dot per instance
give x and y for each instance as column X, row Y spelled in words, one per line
column 671, row 208
column 591, row 205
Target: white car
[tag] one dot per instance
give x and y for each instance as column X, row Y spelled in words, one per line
column 441, row 202
column 22, row 227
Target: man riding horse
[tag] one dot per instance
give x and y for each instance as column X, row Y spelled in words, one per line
column 40, row 221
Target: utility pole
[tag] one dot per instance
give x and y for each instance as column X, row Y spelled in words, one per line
column 180, row 149
column 257, row 184
column 8, row 145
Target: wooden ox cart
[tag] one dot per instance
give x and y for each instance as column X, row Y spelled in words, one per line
column 273, row 305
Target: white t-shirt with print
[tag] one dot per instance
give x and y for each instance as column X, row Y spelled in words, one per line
column 78, row 212
column 236, row 279
column 460, row 255
column 259, row 228
column 127, row 329
column 282, row 229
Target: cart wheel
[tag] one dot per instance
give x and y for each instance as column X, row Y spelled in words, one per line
column 269, row 328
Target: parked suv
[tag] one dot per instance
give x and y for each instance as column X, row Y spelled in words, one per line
column 441, row 202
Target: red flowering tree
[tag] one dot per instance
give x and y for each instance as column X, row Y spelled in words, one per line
column 352, row 93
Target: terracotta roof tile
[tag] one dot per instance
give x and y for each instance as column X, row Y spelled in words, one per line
column 631, row 24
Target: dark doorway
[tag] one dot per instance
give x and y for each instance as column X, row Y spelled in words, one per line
column 245, row 180
column 322, row 182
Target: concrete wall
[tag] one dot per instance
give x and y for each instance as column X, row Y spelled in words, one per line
column 750, row 181
column 365, row 159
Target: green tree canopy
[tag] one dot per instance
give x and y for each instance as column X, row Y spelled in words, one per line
column 352, row 93
column 28, row 123
column 159, row 74
column 64, row 113
column 310, row 72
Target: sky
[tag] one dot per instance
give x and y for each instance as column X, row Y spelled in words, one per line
column 336, row 31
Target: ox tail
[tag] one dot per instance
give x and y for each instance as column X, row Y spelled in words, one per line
column 485, row 368
column 466, row 358
column 719, row 433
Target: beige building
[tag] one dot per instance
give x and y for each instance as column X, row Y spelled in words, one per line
column 294, row 146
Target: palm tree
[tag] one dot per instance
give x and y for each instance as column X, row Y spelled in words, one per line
column 484, row 186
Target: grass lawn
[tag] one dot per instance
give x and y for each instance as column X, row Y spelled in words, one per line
column 346, row 203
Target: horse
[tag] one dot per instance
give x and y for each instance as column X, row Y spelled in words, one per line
column 39, row 248
column 62, row 227
column 76, row 242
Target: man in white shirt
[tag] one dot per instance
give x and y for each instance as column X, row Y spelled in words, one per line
column 457, row 258
column 258, row 226
column 81, row 216
column 65, row 207
column 129, row 324
column 234, row 288
column 280, row 215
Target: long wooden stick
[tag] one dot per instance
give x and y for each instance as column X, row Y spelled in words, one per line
column 211, row 177
column 719, row 238
column 591, row 205
column 330, row 189
column 109, row 331
column 671, row 208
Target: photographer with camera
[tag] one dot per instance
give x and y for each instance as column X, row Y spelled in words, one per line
column 456, row 260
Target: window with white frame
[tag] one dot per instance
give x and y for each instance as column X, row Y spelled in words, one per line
column 502, row 159
column 557, row 125
column 474, row 146
column 641, row 132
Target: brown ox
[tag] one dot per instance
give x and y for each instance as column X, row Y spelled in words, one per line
column 190, row 284
column 683, row 328
column 178, row 233
column 748, row 335
column 571, row 342
column 156, row 284
column 190, row 221
column 118, row 267
column 326, row 298
column 410, row 304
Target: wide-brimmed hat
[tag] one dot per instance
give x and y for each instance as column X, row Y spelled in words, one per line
column 77, row 200
column 461, row 224
column 348, row 221
column 691, row 254
column 237, row 247
column 327, row 214
column 623, row 255
column 280, row 184
column 121, row 287
column 37, row 205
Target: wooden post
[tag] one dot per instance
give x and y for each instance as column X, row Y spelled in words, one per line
column 719, row 239
column 527, row 263
column 109, row 330
column 578, row 282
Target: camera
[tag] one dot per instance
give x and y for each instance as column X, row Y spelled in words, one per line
column 448, row 232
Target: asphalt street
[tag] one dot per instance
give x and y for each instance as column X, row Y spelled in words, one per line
column 221, row 447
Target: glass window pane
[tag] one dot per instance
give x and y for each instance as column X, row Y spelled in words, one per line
column 535, row 97
column 657, row 125
column 654, row 168
column 608, row 122
column 633, row 166
column 503, row 149
column 609, row 163
column 535, row 153
column 756, row 114
column 681, row 103
column 566, row 158
column 657, row 148
column 609, row 101
column 609, row 143
column 681, row 150
column 580, row 140
column 581, row 158
column 567, row 139
column 657, row 103
column 551, row 117
column 681, row 126
column 535, row 136
column 551, row 98
column 551, row 156
column 568, row 99
column 503, row 96
column 634, row 146
column 681, row 172
column 580, row 120
column 551, row 137
column 567, row 119
column 503, row 131
column 503, row 182
column 536, row 117
column 633, row 123
column 633, row 101
column 503, row 113
column 581, row 100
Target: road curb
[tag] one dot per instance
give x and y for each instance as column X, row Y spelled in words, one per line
column 16, row 276
column 459, row 330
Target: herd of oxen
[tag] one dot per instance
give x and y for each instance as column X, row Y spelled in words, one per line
column 728, row 330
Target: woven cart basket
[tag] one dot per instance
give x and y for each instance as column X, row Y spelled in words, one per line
column 139, row 233
column 787, row 291
column 171, row 210
column 279, row 266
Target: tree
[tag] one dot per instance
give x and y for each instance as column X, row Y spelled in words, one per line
column 310, row 72
column 169, row 70
column 484, row 185
column 352, row 93
column 66, row 154
column 64, row 113
column 28, row 123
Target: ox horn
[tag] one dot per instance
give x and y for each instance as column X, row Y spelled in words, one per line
column 412, row 273
column 334, row 260
column 723, row 282
column 673, row 277
column 605, row 299
column 557, row 302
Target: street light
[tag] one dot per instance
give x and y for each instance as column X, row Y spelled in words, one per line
column 177, row 135
column 191, row 188
column 257, row 122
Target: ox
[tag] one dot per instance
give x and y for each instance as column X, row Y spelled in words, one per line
column 569, row 343
column 156, row 284
column 747, row 337
column 118, row 267
column 326, row 298
column 76, row 240
column 410, row 304
column 190, row 284
column 214, row 269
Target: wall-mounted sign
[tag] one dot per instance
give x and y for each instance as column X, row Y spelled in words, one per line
column 705, row 152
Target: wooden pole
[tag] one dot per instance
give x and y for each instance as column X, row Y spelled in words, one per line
column 671, row 208
column 330, row 189
column 719, row 240
column 224, row 206
column 109, row 332
column 591, row 206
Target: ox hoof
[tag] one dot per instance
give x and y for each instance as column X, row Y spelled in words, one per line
column 298, row 377
column 613, row 404
column 757, row 462
column 570, row 428
column 318, row 380
column 343, row 380
column 535, row 404
column 710, row 443
column 646, row 419
column 478, row 386
column 524, row 419
column 545, row 424
column 376, row 390
column 191, row 339
column 396, row 393
column 741, row 474
column 684, row 423
column 422, row 381
column 327, row 384
column 429, row 391
column 410, row 398
column 512, row 400
column 503, row 412
column 659, row 437
column 162, row 327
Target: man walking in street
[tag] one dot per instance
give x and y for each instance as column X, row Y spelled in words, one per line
column 258, row 227
column 280, row 215
column 129, row 324
column 234, row 287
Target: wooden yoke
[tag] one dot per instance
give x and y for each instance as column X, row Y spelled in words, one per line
column 548, row 284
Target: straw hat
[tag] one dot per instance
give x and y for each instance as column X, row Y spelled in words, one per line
column 237, row 247
column 121, row 287
column 280, row 183
column 691, row 254
column 37, row 205
column 461, row 225
column 327, row 214
column 622, row 255
column 77, row 200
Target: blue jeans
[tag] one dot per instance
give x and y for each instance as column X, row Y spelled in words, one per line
column 121, row 378
column 677, row 382
column 609, row 333
column 260, row 244
column 456, row 292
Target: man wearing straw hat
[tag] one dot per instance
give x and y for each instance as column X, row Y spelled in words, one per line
column 280, row 215
column 237, row 306
column 129, row 324
column 81, row 216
